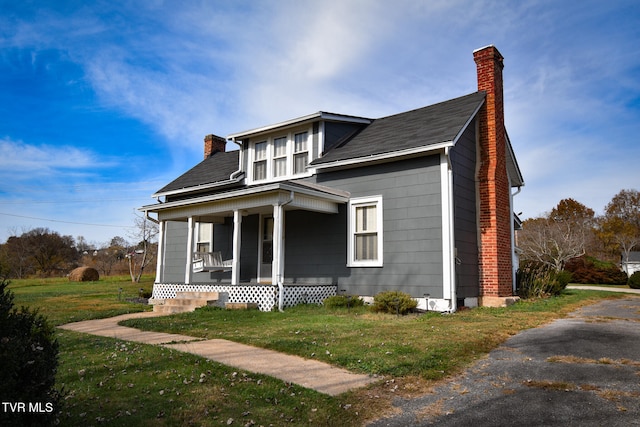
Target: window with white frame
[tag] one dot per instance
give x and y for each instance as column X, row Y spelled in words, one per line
column 280, row 157
column 204, row 242
column 300, row 152
column 260, row 161
column 365, row 232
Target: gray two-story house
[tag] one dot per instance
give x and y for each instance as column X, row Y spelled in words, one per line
column 420, row 201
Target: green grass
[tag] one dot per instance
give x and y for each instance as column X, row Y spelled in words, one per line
column 111, row 382
column 62, row 301
column 430, row 346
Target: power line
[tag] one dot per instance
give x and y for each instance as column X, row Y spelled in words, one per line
column 69, row 222
column 35, row 202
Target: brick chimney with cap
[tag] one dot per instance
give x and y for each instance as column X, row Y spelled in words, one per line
column 495, row 216
column 214, row 144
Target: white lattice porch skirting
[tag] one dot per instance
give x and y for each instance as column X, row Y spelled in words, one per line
column 266, row 296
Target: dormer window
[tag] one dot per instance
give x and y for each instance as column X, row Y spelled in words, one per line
column 300, row 152
column 260, row 163
column 280, row 157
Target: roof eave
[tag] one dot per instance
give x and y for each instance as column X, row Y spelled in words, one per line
column 201, row 187
column 518, row 180
column 334, row 196
column 321, row 115
column 383, row 157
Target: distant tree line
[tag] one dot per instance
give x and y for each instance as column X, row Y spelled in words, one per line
column 45, row 253
column 572, row 231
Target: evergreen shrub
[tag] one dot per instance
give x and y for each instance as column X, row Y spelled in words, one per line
column 634, row 280
column 29, row 355
column 394, row 302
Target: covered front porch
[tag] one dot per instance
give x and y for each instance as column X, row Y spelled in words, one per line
column 245, row 258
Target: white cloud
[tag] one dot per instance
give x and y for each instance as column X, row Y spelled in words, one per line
column 16, row 156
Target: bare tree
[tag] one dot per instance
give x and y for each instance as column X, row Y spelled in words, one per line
column 559, row 236
column 111, row 254
column 145, row 251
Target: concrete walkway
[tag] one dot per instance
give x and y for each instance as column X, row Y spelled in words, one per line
column 312, row 374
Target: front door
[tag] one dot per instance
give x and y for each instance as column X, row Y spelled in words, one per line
column 266, row 249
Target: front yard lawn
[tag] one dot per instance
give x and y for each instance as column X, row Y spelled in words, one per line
column 111, row 382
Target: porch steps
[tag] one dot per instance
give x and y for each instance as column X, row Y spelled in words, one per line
column 185, row 302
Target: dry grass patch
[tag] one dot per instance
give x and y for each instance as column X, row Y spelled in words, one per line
column 430, row 412
column 601, row 361
column 569, row 359
column 551, row 385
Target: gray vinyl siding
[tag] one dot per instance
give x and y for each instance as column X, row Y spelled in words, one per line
column 316, row 245
column 176, row 249
column 463, row 159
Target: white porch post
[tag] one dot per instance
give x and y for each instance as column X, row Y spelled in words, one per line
column 188, row 273
column 160, row 255
column 277, row 265
column 237, row 235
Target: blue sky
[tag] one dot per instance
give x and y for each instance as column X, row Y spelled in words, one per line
column 102, row 102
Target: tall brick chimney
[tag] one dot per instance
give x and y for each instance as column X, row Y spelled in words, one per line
column 214, row 144
column 496, row 273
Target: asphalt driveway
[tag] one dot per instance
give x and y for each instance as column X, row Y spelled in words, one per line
column 583, row 370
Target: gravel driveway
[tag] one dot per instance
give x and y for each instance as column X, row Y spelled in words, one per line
column 583, row 370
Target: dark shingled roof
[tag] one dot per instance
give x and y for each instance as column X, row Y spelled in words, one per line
column 417, row 128
column 216, row 168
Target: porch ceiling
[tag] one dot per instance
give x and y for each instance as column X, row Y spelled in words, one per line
column 292, row 195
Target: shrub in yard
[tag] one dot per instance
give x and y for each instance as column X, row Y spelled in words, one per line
column 394, row 302
column 534, row 280
column 589, row 270
column 343, row 301
column 634, row 280
column 29, row 355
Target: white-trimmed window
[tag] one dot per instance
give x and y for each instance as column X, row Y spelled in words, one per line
column 364, row 247
column 300, row 152
column 280, row 157
column 204, row 242
column 260, row 161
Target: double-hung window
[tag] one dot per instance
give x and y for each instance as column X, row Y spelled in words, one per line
column 365, row 232
column 280, row 156
column 260, row 161
column 300, row 153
